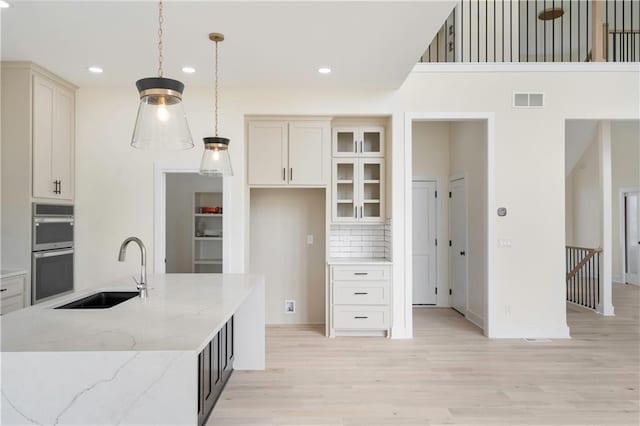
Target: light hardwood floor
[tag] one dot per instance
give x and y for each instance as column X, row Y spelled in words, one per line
column 448, row 374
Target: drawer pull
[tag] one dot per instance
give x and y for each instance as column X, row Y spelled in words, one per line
column 361, row 317
column 360, row 293
column 360, row 273
column 4, row 289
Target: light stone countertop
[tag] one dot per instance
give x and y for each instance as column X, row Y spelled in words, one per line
column 8, row 273
column 359, row 261
column 182, row 313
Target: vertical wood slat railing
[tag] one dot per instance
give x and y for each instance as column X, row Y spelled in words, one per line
column 511, row 31
column 583, row 276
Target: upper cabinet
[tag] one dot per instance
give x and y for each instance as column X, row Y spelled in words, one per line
column 358, row 141
column 283, row 153
column 53, row 141
column 358, row 190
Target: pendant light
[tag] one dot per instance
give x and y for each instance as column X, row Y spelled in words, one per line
column 215, row 159
column 161, row 123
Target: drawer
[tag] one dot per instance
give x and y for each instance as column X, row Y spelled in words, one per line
column 12, row 286
column 361, row 273
column 351, row 293
column 360, row 318
column 10, row 304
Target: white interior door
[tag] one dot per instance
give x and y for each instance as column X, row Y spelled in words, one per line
column 458, row 250
column 632, row 237
column 424, row 243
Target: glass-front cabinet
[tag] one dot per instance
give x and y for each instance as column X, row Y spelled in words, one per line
column 358, row 190
column 358, row 141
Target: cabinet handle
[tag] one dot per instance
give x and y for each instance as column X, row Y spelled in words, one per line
column 361, row 214
column 59, row 187
column 360, row 273
column 284, row 173
column 355, row 212
column 360, row 317
column 360, row 293
column 4, row 289
column 291, row 174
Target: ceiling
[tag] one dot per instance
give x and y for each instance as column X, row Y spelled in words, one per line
column 367, row 44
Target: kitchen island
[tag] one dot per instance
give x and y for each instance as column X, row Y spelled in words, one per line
column 143, row 361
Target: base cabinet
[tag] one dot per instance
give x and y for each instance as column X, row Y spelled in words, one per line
column 215, row 365
column 12, row 293
column 360, row 300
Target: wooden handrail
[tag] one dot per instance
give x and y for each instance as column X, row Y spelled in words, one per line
column 590, row 253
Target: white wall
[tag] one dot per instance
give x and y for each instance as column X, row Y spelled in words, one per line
column 468, row 158
column 430, row 160
column 586, row 199
column 180, row 188
column 281, row 220
column 115, row 182
column 625, row 173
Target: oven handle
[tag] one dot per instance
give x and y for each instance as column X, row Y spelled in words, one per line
column 52, row 253
column 53, row 220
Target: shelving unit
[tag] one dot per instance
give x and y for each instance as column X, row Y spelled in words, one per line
column 207, row 233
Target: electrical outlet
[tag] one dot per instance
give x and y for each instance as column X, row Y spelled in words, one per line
column 504, row 243
column 289, row 306
column 309, row 239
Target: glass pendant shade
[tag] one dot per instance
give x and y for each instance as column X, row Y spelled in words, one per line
column 215, row 159
column 161, row 123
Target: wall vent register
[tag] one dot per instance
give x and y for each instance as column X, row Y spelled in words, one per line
column 528, row 100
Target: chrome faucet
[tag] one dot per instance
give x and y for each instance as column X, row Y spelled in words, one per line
column 142, row 284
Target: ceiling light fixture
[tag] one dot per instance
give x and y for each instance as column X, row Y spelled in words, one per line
column 4, row 4
column 215, row 159
column 551, row 13
column 324, row 70
column 96, row 70
column 188, row 70
column 161, row 122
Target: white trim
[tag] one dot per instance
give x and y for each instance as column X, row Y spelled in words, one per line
column 622, row 192
column 561, row 332
column 425, row 67
column 409, row 117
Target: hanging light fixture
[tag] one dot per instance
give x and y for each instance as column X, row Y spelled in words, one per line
column 215, row 159
column 161, row 122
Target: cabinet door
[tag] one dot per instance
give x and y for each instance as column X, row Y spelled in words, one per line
column 344, row 141
column 371, row 141
column 43, row 118
column 371, row 188
column 267, row 148
column 345, row 190
column 308, row 152
column 62, row 154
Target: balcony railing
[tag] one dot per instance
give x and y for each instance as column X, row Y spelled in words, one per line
column 539, row 31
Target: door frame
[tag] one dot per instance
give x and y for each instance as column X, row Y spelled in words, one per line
column 453, row 178
column 490, row 301
column 439, row 278
column 622, row 192
column 160, row 171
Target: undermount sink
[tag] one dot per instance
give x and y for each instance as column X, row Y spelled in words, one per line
column 102, row 300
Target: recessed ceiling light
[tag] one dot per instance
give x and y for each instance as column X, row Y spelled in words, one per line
column 324, row 70
column 95, row 70
column 188, row 70
column 4, row 4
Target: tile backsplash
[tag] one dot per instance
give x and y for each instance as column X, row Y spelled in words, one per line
column 360, row 241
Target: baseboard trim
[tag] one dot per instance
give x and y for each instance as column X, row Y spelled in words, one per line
column 561, row 332
column 475, row 319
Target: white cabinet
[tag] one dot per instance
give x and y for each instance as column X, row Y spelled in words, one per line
column 358, row 194
column 53, row 112
column 360, row 299
column 282, row 153
column 358, row 141
column 12, row 293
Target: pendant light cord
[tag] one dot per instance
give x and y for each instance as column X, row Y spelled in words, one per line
column 216, row 93
column 160, row 33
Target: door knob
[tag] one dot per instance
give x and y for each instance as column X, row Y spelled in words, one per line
column 463, row 253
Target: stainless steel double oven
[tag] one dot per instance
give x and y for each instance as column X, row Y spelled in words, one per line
column 52, row 251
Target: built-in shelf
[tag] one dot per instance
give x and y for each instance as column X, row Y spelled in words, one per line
column 372, row 181
column 344, row 201
column 345, row 181
column 207, row 214
column 207, row 238
column 371, row 201
column 207, row 248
